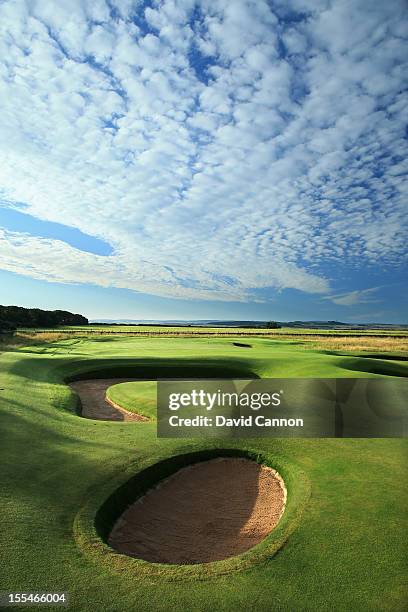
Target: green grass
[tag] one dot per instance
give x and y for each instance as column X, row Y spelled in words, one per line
column 137, row 397
column 348, row 551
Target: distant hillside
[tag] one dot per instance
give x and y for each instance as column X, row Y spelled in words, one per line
column 183, row 323
column 254, row 323
column 12, row 317
column 339, row 325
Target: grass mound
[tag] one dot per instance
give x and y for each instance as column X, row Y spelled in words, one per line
column 138, row 397
column 379, row 365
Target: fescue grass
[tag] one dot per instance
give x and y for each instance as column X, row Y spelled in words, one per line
column 24, row 338
column 169, row 330
column 347, row 553
column 388, row 344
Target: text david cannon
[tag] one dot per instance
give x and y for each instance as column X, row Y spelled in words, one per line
column 222, row 421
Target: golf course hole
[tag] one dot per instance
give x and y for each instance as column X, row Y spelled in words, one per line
column 208, row 511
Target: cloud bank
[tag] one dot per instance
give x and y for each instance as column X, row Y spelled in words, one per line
column 221, row 148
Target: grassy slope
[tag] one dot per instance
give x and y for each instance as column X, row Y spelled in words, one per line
column 347, row 554
column 265, row 358
column 139, row 397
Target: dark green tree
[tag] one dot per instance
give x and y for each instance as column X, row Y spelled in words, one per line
column 12, row 317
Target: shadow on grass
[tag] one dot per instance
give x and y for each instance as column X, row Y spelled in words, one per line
column 50, row 370
column 44, row 467
column 44, row 453
column 374, row 366
column 384, row 356
column 191, row 530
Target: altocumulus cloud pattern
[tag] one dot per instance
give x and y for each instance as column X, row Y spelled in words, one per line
column 222, row 148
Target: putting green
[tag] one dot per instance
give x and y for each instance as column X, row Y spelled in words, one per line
column 346, row 552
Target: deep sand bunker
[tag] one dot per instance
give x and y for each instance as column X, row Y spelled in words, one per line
column 205, row 512
column 95, row 404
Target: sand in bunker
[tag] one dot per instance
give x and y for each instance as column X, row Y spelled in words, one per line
column 94, row 404
column 205, row 512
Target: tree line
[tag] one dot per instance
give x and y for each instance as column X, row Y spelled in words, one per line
column 12, row 317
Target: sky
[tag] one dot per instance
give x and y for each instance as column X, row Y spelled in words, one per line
column 200, row 159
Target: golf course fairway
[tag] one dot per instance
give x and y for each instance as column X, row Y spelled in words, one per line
column 341, row 548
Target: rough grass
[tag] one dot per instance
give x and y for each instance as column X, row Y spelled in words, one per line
column 162, row 330
column 9, row 342
column 347, row 553
column 364, row 344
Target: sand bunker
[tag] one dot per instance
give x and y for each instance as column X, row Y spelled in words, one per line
column 205, row 512
column 95, row 405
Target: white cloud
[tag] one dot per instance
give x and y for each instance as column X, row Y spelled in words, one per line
column 363, row 296
column 204, row 150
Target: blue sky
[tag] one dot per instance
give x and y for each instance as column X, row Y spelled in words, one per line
column 181, row 159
